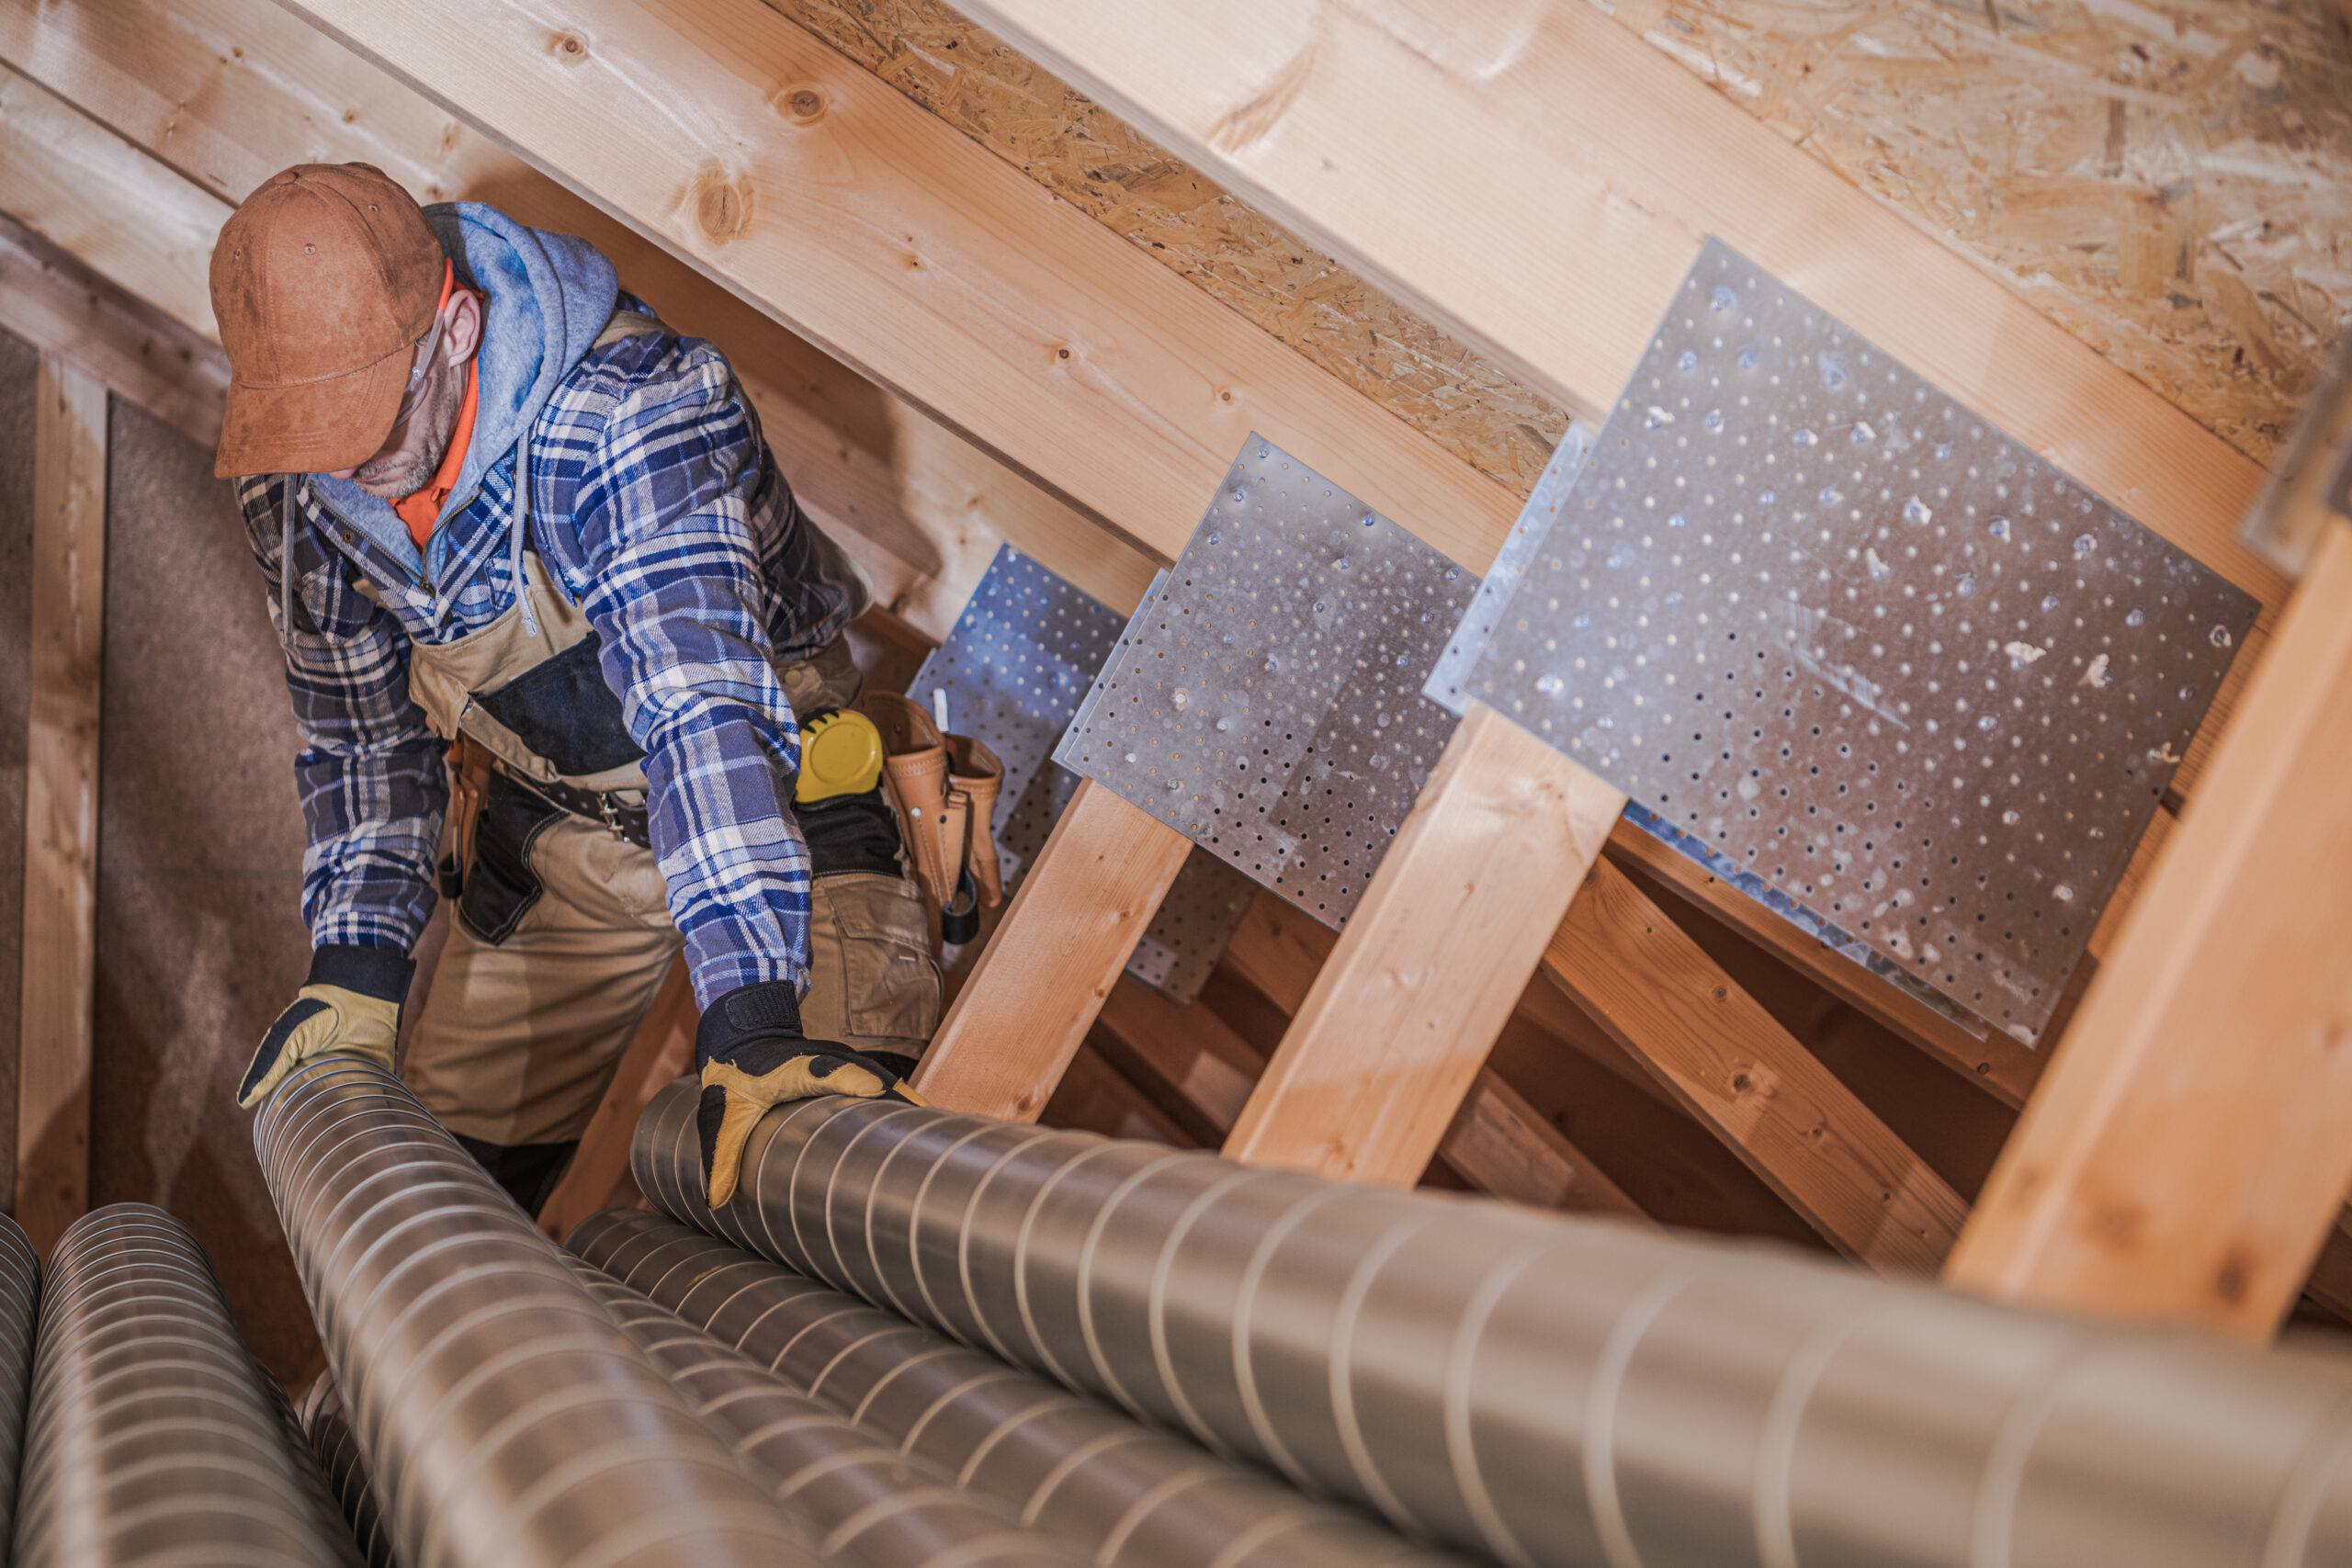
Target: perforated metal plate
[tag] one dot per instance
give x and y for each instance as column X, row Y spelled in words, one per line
column 1853, row 637
column 1013, row 669
column 1266, row 699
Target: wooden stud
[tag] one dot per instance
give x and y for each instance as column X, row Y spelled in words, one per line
column 137, row 352
column 662, row 1051
column 2184, row 1157
column 60, row 951
column 1728, row 1062
column 1094, row 1097
column 1498, row 1143
column 1393, row 1031
column 1069, row 933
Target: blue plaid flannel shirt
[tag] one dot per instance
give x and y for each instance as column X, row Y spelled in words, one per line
column 657, row 506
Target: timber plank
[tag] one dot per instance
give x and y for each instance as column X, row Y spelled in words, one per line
column 1394, row 1030
column 1019, row 1019
column 817, row 192
column 1740, row 1073
column 660, row 1051
column 64, row 667
column 2184, row 1159
column 61, row 307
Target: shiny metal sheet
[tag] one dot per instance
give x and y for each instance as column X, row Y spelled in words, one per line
column 1266, row 700
column 1808, row 609
column 1012, row 674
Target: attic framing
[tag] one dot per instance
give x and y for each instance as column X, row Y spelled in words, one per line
column 951, row 357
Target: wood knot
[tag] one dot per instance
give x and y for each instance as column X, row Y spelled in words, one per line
column 2235, row 1276
column 1742, row 1083
column 569, row 49
column 722, row 207
column 802, row 106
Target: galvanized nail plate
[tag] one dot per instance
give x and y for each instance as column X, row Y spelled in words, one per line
column 1855, row 638
column 1021, row 657
column 1266, row 700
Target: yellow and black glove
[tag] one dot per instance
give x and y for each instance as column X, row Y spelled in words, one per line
column 351, row 1003
column 752, row 1056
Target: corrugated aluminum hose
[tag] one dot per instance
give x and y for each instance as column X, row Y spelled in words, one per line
column 1124, row 1496
column 154, row 1439
column 505, row 1418
column 20, row 1307
column 1551, row 1391
column 326, row 1425
column 862, row 1503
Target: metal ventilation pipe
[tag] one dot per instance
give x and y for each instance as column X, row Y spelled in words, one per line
column 505, row 1418
column 1124, row 1496
column 19, row 1305
column 153, row 1438
column 865, row 1505
column 1550, row 1392
column 326, row 1425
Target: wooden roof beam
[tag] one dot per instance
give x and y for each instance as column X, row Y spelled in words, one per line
column 804, row 183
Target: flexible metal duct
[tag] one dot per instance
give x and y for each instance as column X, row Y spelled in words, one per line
column 505, row 1419
column 1550, row 1390
column 1124, row 1494
column 326, row 1425
column 19, row 1305
column 864, row 1504
column 153, row 1438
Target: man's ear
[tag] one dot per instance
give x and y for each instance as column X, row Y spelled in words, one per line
column 464, row 331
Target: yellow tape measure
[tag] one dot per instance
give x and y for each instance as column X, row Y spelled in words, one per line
column 840, row 754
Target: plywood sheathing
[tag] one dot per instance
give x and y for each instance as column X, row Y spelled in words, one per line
column 1092, row 159
column 2171, row 181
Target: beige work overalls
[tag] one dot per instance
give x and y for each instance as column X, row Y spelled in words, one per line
column 519, row 1037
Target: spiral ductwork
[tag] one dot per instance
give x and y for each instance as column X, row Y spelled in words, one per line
column 326, row 1426
column 864, row 1504
column 505, row 1418
column 1553, row 1393
column 19, row 1308
column 153, row 1438
column 1121, row 1494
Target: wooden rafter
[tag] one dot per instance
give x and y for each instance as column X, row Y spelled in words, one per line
column 61, row 845
column 814, row 190
column 2184, row 1158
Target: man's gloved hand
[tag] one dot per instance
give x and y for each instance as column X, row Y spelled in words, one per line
column 351, row 1003
column 752, row 1056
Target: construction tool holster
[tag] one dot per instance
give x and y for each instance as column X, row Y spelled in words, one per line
column 945, row 789
column 468, row 787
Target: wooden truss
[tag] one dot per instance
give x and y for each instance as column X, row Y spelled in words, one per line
column 951, row 357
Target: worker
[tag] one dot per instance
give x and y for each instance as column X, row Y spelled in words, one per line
column 506, row 516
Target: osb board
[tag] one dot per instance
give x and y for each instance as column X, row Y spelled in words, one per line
column 1094, row 161
column 2170, row 180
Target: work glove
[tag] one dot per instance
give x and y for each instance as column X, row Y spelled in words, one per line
column 351, row 1003
column 751, row 1056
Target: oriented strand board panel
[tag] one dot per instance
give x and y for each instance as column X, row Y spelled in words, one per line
column 2171, row 181
column 1186, row 221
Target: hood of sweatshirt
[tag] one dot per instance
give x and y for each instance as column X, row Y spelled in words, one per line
column 547, row 296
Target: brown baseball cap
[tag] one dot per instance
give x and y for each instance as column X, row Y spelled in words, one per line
column 323, row 282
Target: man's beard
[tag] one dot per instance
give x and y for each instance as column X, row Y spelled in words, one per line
column 401, row 475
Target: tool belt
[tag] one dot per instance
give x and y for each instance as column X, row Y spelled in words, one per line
column 945, row 790
column 623, row 818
